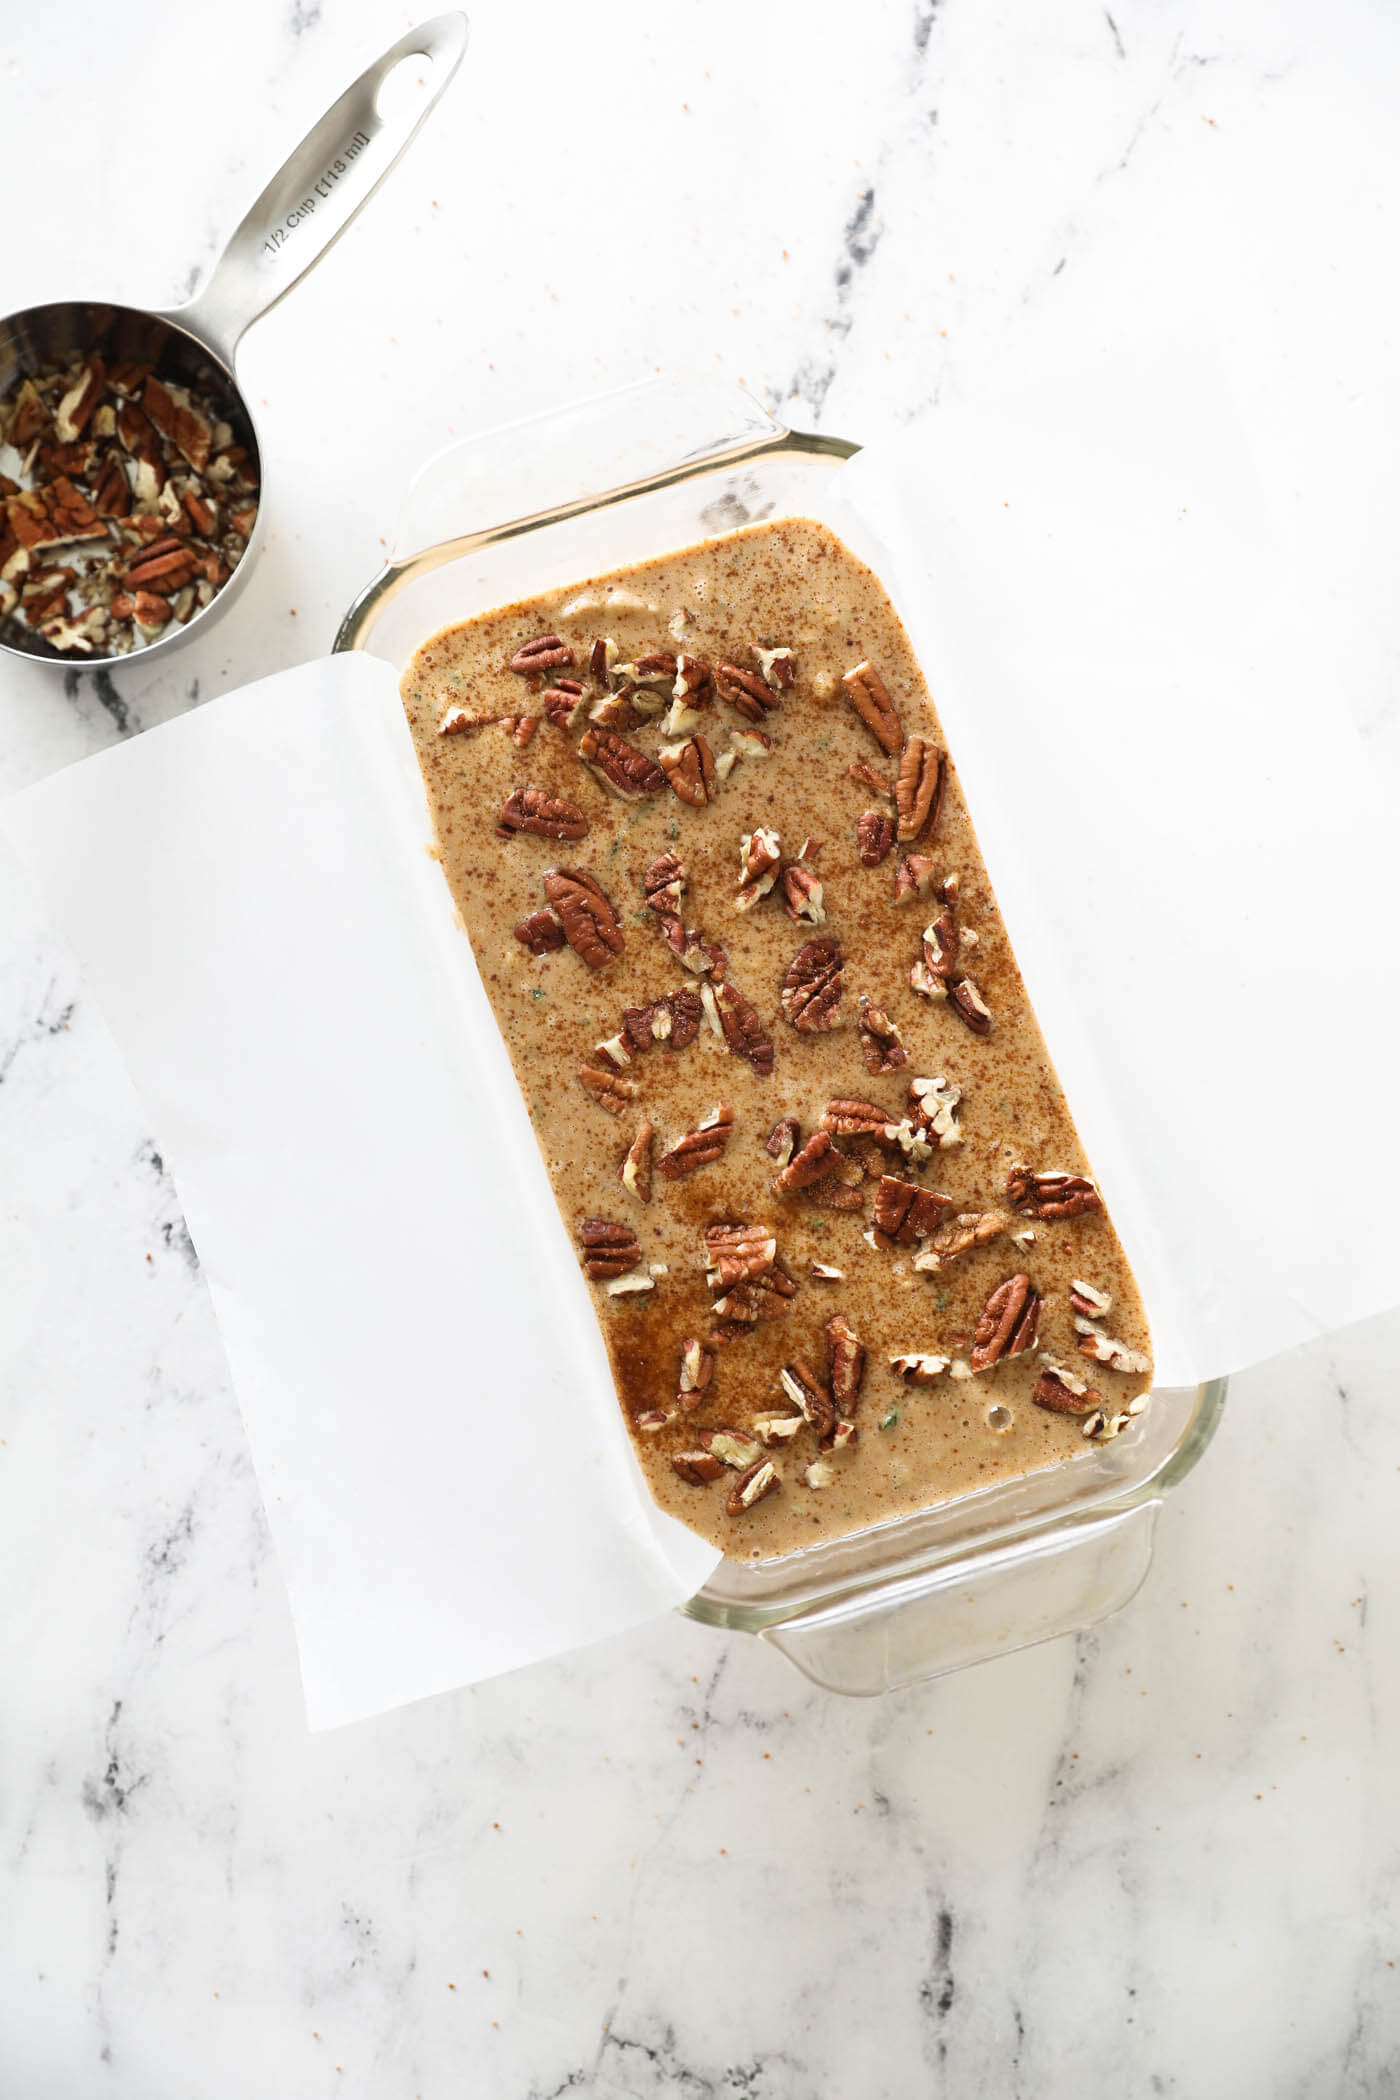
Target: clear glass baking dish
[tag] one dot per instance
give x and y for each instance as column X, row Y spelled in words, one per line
column 619, row 479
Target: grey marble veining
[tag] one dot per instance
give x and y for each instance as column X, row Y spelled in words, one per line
column 1159, row 1859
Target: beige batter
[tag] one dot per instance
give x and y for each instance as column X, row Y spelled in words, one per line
column 904, row 1446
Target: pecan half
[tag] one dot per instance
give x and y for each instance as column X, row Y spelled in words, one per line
column 1008, row 1323
column 759, row 859
column 686, row 1012
column 700, row 1147
column 663, row 882
column 545, row 653
column 813, row 985
column 970, row 1007
column 874, row 836
column 801, row 887
column 759, row 1479
column 620, row 766
column 849, row 1118
column 697, row 1468
column 635, row 1171
column 958, row 1236
column 563, row 702
column 905, row 1214
column 918, row 787
column 738, row 1254
column 913, row 878
column 845, row 1364
column 536, row 810
column 743, row 1030
column 1064, row 1393
column 521, row 729
column 880, row 1044
column 766, row 1297
column 607, row 1249
column 689, row 770
column 744, row 690
column 782, row 1139
column 933, row 1105
column 807, row 1392
column 541, row 933
column 1051, row 1196
column 607, row 1087
column 696, row 1370
column 870, row 698
column 590, row 923
column 817, row 1159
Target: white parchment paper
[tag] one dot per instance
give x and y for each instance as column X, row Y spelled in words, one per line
column 1195, row 870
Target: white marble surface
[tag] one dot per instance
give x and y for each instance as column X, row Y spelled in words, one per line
column 1160, row 1859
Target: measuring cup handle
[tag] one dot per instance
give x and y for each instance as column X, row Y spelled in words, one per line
column 316, row 193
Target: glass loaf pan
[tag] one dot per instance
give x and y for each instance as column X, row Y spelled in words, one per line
column 618, row 480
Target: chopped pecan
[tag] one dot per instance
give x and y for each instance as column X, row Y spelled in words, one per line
column 690, row 948
column 813, row 985
column 1051, row 1196
column 933, row 1105
column 826, row 1272
column 874, row 836
column 608, row 1088
column 1008, row 1323
column 743, row 1030
column 663, row 882
column 867, row 776
column 1085, row 1298
column 904, row 1213
column 689, row 770
column 773, row 1428
column 541, row 933
column 807, row 1392
column 52, row 516
column 752, row 1485
column 782, row 1139
column 737, row 1254
column 817, row 1159
column 620, row 766
column 168, row 564
column 918, row 787
column 744, row 690
column 176, row 418
column 735, row 1446
column 1115, row 1355
column 643, row 1026
column 601, row 658
column 802, row 889
column 759, row 860
column 913, row 878
column 845, row 1364
column 958, row 1236
column 750, row 743
column 778, row 667
column 536, row 810
column 75, row 409
column 520, row 728
column 563, row 702
column 607, row 1249
column 657, row 667
column 918, row 1367
column 545, row 653
column 880, row 1043
column 871, row 701
column 970, row 1007
column 635, row 1171
column 697, row 1468
column 700, row 1147
column 836, row 1193
column 842, row 1436
column 111, row 496
column 652, row 1419
column 590, row 923
column 1063, row 1392
column 693, row 682
column 696, row 1370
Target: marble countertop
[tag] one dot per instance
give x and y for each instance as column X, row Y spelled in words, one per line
column 1155, row 1859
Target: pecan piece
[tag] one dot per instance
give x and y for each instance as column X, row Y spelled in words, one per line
column 686, row 1012
column 913, row 877
column 563, row 702
column 1063, row 1392
column 807, row 1392
column 958, row 1236
column 867, row 776
column 735, row 1446
column 691, row 949
column 643, row 1026
column 700, row 1147
column 774, row 1428
column 744, row 690
column 737, row 1254
column 874, row 836
column 168, row 564
column 689, row 770
column 1115, row 1355
column 813, row 985
column 111, row 496
column 620, row 766
column 541, row 933
column 694, row 681
column 607, row 1249
column 520, row 729
column 777, row 666
column 545, row 653
column 170, row 409
column 608, row 1088
column 1085, row 1298
column 969, row 1006
column 535, row 810
column 590, row 923
column 801, row 886
column 845, row 1364
column 635, row 1171
column 937, row 959
column 759, row 859
column 766, row 1297
column 918, row 1367
column 52, row 516
column 601, row 658
column 663, row 882
column 782, row 1139
column 880, row 1044
column 743, row 1030
column 918, row 787
column 697, row 1369
column 870, row 698
column 1051, row 1196
column 1008, row 1323
column 759, row 1479
column 697, row 1468
column 933, row 1105
column 904, row 1213
column 817, row 1159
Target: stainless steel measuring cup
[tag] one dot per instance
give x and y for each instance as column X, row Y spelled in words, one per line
column 304, row 209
